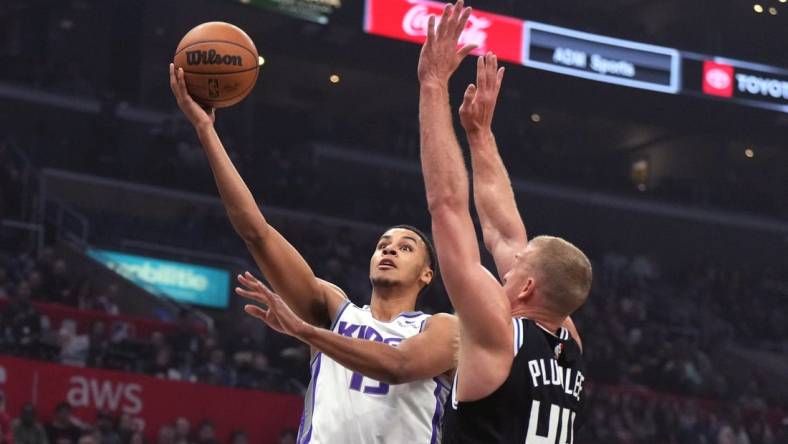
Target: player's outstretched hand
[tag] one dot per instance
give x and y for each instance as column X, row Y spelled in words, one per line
column 478, row 105
column 439, row 55
column 197, row 115
column 278, row 315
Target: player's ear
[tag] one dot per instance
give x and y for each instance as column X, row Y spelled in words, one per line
column 426, row 276
column 528, row 290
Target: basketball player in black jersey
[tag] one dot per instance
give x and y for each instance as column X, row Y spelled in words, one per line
column 520, row 375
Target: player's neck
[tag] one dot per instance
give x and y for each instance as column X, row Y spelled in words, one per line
column 547, row 320
column 388, row 302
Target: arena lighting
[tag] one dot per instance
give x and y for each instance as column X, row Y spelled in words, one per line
column 749, row 152
column 334, row 78
column 536, row 118
column 773, row 10
column 758, row 8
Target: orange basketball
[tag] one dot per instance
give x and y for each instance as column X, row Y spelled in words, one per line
column 220, row 63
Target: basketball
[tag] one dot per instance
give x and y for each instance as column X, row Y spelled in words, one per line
column 220, row 63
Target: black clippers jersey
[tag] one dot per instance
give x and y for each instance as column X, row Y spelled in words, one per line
column 541, row 402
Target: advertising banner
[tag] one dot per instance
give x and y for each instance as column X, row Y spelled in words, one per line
column 407, row 20
column 737, row 81
column 601, row 58
column 192, row 284
column 150, row 401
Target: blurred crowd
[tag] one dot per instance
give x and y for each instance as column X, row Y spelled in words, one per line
column 63, row 427
column 616, row 416
column 239, row 359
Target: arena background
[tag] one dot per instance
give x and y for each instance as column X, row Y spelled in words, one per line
column 665, row 160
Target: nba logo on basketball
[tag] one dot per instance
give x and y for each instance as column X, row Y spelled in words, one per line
column 213, row 88
column 717, row 79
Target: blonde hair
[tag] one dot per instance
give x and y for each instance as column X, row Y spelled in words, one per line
column 565, row 273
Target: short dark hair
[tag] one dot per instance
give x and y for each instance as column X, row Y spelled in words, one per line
column 432, row 258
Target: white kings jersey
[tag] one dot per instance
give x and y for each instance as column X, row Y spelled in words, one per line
column 344, row 407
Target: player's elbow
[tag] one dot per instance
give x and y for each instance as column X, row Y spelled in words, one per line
column 398, row 370
column 446, row 204
column 254, row 234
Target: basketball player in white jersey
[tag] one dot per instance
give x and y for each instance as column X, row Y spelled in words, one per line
column 386, row 341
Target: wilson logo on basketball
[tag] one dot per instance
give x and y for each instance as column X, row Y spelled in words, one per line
column 211, row 57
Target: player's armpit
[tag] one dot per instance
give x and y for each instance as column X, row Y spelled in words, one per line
column 333, row 298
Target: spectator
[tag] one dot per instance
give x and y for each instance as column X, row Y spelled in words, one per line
column 126, row 428
column 106, row 301
column 215, row 371
column 238, row 437
column 287, row 437
column 206, row 434
column 26, row 429
column 258, row 374
column 36, row 281
column 182, row 431
column 99, row 345
column 62, row 429
column 166, row 435
column 5, row 422
column 162, row 365
column 137, row 438
column 74, row 347
column 104, row 426
column 60, row 286
column 24, row 323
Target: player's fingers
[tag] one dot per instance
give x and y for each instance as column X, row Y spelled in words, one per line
column 444, row 21
column 470, row 93
column 246, row 281
column 172, row 79
column 499, row 76
column 257, row 312
column 431, row 28
column 492, row 69
column 463, row 19
column 253, row 295
column 455, row 14
column 273, row 297
column 182, row 83
column 465, row 50
column 251, row 278
column 481, row 80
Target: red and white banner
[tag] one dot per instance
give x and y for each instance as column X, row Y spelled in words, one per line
column 407, row 20
column 152, row 402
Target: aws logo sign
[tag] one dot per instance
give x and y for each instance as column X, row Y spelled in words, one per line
column 104, row 395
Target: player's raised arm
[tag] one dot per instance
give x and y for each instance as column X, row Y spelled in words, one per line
column 314, row 300
column 483, row 310
column 423, row 356
column 502, row 228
